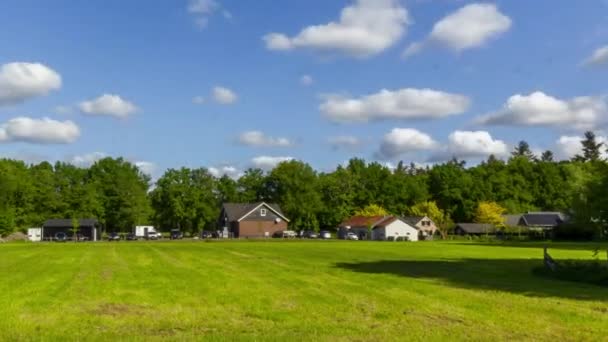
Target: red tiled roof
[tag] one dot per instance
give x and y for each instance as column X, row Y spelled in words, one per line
column 364, row 221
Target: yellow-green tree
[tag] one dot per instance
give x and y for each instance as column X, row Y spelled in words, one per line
column 490, row 213
column 431, row 210
column 371, row 210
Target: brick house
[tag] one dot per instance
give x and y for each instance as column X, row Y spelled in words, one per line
column 252, row 220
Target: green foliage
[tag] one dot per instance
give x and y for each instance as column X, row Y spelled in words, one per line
column 371, row 211
column 490, row 213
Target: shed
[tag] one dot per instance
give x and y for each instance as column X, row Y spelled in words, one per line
column 474, row 229
column 87, row 228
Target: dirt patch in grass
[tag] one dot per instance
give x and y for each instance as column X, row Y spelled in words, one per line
column 117, row 309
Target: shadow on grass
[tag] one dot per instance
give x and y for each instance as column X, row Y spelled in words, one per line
column 513, row 275
column 582, row 246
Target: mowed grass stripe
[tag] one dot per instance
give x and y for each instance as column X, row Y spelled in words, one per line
column 298, row 290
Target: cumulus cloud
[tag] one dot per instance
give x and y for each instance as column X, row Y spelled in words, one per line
column 540, row 109
column 87, row 159
column 224, row 95
column 469, row 27
column 259, row 139
column 400, row 141
column 21, row 81
column 365, row 28
column 146, row 167
column 306, row 80
column 108, row 105
column 599, row 57
column 343, row 141
column 472, row 144
column 39, row 131
column 226, row 170
column 267, row 162
column 201, row 10
column 407, row 103
column 570, row 146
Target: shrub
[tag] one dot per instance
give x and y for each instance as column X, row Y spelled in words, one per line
column 591, row 272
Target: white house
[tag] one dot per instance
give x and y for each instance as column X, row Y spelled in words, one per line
column 392, row 228
column 34, row 234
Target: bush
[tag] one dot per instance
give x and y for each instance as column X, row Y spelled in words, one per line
column 591, row 272
column 574, row 231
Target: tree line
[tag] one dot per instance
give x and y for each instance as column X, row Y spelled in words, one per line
column 120, row 196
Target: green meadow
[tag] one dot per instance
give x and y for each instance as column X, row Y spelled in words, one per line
column 293, row 290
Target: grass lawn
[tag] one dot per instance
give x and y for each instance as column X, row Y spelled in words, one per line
column 296, row 290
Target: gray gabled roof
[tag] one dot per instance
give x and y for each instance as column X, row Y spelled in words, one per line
column 476, row 228
column 513, row 220
column 543, row 219
column 63, row 223
column 236, row 211
column 412, row 220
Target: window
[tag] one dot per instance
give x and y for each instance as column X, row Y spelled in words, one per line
column 262, row 212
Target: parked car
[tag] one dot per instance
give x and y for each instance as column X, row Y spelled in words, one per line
column 351, row 236
column 176, row 234
column 324, row 234
column 132, row 237
column 61, row 237
column 309, row 234
column 285, row 234
column 206, row 234
column 153, row 236
column 114, row 237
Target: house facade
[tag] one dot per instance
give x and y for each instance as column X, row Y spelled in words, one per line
column 378, row 228
column 424, row 224
column 252, row 220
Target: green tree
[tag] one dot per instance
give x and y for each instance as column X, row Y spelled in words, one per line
column 490, row 213
column 591, row 148
column 294, row 185
column 523, row 150
column 371, row 211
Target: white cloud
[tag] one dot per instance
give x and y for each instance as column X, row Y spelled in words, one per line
column 21, row 81
column 570, row 146
column 599, row 57
column 344, row 141
column 39, row 131
column 198, row 100
column 540, row 109
column 400, row 141
column 268, row 163
column 473, row 144
column 226, row 170
column 469, row 27
column 306, row 80
column 224, row 95
column 407, row 103
column 201, row 10
column 146, row 167
column 109, row 105
column 365, row 28
column 259, row 139
column 87, row 159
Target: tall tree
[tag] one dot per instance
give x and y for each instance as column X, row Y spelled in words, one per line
column 591, row 148
column 523, row 150
column 490, row 213
column 294, row 185
column 547, row 156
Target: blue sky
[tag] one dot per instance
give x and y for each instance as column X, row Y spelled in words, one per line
column 220, row 83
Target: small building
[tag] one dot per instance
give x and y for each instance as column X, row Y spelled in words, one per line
column 34, row 234
column 474, row 229
column 87, row 228
column 380, row 227
column 424, row 224
column 536, row 221
column 252, row 220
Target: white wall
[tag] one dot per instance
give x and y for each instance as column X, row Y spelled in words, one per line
column 396, row 229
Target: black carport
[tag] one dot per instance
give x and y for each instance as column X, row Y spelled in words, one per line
column 89, row 228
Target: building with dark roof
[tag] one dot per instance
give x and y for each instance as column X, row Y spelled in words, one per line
column 252, row 220
column 474, row 229
column 89, row 229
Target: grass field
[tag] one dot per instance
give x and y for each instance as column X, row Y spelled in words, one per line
column 300, row 290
